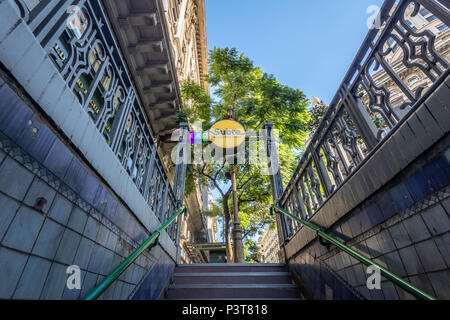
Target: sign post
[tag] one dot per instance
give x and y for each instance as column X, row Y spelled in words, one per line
column 229, row 135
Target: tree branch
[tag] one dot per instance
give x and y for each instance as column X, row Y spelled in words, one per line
column 214, row 181
column 248, row 180
column 221, row 168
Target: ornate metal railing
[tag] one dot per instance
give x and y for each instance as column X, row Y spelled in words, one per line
column 394, row 70
column 78, row 38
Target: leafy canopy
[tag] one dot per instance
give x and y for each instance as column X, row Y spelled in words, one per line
column 254, row 97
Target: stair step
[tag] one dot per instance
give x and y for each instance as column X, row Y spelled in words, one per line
column 232, row 277
column 245, row 299
column 230, row 267
column 225, row 291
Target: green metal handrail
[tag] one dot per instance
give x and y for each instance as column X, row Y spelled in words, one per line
column 360, row 257
column 102, row 286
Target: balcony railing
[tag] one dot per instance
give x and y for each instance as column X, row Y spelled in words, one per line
column 373, row 99
column 77, row 36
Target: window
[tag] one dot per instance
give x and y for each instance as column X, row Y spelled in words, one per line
column 95, row 57
column 431, row 18
column 442, row 28
column 409, row 23
column 175, row 14
column 413, row 79
column 424, row 12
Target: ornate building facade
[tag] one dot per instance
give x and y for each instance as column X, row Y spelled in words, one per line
column 187, row 31
column 186, row 26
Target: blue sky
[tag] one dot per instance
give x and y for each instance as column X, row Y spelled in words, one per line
column 306, row 44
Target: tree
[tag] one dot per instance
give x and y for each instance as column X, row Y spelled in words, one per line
column 253, row 251
column 253, row 97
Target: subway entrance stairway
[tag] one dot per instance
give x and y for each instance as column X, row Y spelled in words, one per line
column 232, row 281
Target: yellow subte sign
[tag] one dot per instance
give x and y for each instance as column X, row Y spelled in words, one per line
column 227, row 134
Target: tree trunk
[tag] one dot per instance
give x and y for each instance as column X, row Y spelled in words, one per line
column 226, row 214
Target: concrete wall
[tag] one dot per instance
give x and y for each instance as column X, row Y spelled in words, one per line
column 81, row 223
column 394, row 209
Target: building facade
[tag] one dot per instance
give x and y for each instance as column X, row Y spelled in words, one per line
column 269, row 246
column 186, row 28
column 211, row 222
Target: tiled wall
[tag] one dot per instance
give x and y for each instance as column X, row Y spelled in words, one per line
column 405, row 227
column 80, row 222
column 22, row 55
column 395, row 208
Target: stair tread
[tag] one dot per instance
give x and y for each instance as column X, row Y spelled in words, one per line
column 229, row 285
column 232, row 265
column 243, row 299
column 231, row 274
column 232, row 281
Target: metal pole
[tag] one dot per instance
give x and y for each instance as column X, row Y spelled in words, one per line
column 276, row 181
column 180, row 180
column 237, row 231
column 238, row 246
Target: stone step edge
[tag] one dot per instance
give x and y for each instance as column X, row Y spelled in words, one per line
column 231, row 265
column 232, row 286
column 232, row 274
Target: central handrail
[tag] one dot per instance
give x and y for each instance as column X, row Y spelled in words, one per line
column 102, row 286
column 360, row 257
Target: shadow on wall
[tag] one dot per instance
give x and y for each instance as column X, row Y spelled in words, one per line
column 318, row 283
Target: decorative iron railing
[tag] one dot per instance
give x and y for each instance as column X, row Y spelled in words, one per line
column 78, row 38
column 394, row 70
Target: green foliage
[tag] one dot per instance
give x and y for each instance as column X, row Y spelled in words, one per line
column 317, row 113
column 255, row 218
column 251, row 252
column 288, row 162
column 248, row 247
column 197, row 104
column 254, row 97
column 215, row 211
column 190, row 183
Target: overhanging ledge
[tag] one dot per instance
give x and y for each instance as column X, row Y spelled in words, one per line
column 141, row 30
